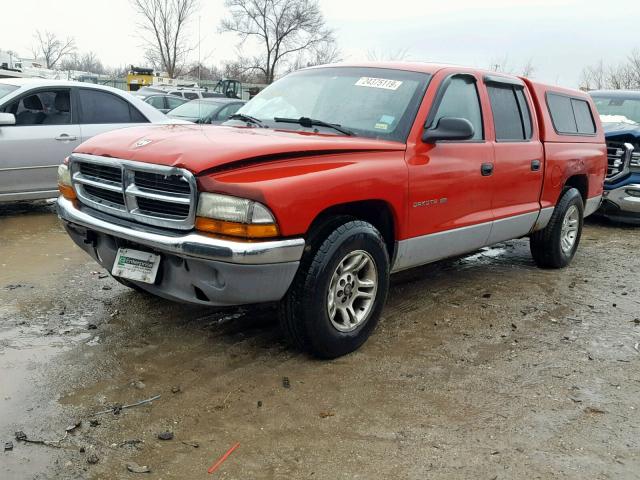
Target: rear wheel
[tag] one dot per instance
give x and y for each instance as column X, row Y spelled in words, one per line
column 556, row 244
column 339, row 292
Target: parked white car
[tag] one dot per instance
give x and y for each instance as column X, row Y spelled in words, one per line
column 42, row 121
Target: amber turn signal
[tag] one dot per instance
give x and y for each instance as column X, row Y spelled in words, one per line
column 234, row 229
column 67, row 192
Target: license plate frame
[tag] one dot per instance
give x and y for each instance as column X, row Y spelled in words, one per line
column 136, row 265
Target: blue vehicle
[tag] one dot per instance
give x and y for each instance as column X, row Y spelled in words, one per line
column 620, row 114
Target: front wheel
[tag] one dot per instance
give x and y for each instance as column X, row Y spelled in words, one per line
column 339, row 292
column 556, row 244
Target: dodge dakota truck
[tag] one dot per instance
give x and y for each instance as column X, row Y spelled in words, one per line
column 620, row 115
column 331, row 179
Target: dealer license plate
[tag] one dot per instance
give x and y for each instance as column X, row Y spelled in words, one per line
column 136, row 265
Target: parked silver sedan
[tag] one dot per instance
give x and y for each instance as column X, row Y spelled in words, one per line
column 42, row 121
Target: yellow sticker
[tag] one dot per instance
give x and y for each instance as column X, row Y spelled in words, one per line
column 381, row 126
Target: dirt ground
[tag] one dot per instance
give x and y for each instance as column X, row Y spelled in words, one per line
column 484, row 367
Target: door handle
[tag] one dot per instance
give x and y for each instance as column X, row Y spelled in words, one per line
column 535, row 165
column 486, row 169
column 66, row 138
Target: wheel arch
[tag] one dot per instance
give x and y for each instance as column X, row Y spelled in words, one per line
column 579, row 182
column 378, row 213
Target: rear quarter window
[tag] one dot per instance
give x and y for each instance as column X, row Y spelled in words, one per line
column 570, row 116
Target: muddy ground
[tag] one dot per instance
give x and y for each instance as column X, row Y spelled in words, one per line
column 484, row 367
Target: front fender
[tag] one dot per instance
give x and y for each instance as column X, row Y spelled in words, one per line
column 298, row 190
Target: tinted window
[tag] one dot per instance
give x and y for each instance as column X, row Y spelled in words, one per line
column 506, row 113
column 157, row 102
column 461, row 100
column 584, row 120
column 227, row 111
column 562, row 113
column 190, row 95
column 524, row 112
column 174, row 102
column 104, row 107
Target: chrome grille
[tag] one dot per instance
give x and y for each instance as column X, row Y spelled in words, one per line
column 619, row 156
column 147, row 193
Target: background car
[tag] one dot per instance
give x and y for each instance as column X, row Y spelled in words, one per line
column 164, row 102
column 42, row 121
column 620, row 114
column 207, row 110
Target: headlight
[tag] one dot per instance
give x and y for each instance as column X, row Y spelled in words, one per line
column 64, row 182
column 233, row 216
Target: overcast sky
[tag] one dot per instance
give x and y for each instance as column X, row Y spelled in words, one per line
column 560, row 37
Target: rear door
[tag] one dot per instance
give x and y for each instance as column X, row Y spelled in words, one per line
column 102, row 111
column 46, row 131
column 519, row 159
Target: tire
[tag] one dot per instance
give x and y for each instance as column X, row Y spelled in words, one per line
column 315, row 314
column 551, row 247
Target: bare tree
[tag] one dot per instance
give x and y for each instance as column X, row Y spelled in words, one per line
column 528, row 69
column 87, row 62
column 165, row 25
column 283, row 28
column 52, row 49
column 593, row 77
column 321, row 54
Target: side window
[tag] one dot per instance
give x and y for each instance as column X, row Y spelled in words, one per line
column 511, row 115
column 190, row 95
column 104, row 107
column 524, row 112
column 157, row 102
column 461, row 100
column 570, row 115
column 42, row 108
column 562, row 113
column 174, row 102
column 227, row 111
column 584, row 120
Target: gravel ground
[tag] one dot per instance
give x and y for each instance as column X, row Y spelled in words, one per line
column 482, row 367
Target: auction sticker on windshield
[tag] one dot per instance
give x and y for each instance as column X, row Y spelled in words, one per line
column 378, row 83
column 136, row 265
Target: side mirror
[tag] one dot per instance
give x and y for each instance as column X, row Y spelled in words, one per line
column 7, row 119
column 449, row 128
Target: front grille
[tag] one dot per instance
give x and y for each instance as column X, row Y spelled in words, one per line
column 160, row 208
column 101, row 172
column 152, row 194
column 616, row 158
column 113, row 197
column 171, row 183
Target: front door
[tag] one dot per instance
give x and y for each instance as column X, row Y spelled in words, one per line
column 46, row 131
column 450, row 183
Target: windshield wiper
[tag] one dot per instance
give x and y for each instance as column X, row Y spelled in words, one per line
column 248, row 119
column 312, row 122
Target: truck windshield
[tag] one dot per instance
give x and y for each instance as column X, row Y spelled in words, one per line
column 616, row 108
column 6, row 89
column 371, row 102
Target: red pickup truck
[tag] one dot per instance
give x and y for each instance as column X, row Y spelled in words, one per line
column 330, row 180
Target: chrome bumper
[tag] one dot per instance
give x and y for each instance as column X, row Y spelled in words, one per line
column 627, row 198
column 186, row 244
column 194, row 268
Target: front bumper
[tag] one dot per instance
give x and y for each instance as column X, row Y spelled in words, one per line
column 622, row 203
column 194, row 268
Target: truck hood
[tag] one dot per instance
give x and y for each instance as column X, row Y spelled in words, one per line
column 199, row 148
column 621, row 131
